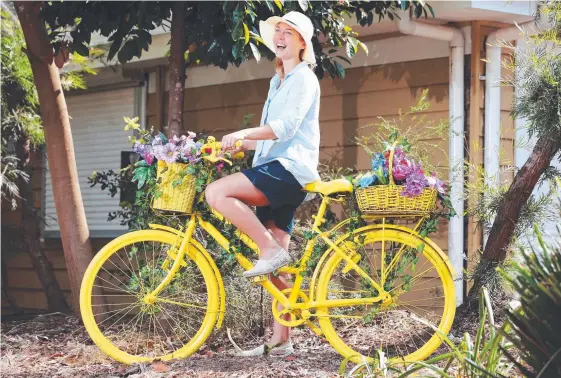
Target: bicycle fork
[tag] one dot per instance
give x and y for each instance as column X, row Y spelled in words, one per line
column 178, row 261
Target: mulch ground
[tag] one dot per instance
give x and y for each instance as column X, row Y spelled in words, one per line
column 56, row 345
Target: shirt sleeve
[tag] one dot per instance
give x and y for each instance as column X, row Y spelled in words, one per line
column 301, row 95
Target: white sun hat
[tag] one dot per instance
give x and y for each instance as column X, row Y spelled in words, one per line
column 299, row 22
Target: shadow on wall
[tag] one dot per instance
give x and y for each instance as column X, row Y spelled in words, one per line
column 416, row 76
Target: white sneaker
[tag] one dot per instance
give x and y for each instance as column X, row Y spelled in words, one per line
column 280, row 259
column 282, row 350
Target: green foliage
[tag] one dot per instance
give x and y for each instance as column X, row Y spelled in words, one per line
column 20, row 120
column 538, row 79
column 480, row 357
column 218, row 32
column 536, row 324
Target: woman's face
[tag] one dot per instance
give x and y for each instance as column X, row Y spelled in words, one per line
column 288, row 42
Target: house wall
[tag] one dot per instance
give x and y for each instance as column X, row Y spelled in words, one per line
column 390, row 79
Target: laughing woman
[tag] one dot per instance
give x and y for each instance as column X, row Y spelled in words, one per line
column 286, row 157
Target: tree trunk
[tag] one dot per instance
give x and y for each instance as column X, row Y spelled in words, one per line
column 30, row 224
column 60, row 148
column 7, row 295
column 502, row 231
column 176, row 79
column 517, row 195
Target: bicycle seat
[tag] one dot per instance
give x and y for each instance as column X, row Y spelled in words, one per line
column 329, row 187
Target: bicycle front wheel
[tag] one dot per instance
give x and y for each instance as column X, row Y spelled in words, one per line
column 126, row 324
column 406, row 324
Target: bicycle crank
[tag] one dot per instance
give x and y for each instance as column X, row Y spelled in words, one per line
column 295, row 317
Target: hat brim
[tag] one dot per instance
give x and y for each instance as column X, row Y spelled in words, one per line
column 267, row 31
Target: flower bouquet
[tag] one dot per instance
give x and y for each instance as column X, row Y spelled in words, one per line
column 397, row 185
column 180, row 167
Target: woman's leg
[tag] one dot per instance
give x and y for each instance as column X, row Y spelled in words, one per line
column 281, row 333
column 231, row 196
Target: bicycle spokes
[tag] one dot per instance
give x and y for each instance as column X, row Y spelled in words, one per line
column 412, row 302
column 136, row 321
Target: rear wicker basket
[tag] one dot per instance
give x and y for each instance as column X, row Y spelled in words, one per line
column 389, row 200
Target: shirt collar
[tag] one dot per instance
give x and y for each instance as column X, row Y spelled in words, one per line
column 298, row 67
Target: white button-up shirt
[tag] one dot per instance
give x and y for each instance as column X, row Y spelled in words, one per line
column 292, row 111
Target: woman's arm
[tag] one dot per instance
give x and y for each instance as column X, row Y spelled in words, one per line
column 251, row 135
column 249, row 145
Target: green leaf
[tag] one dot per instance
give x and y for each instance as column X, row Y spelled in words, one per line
column 255, row 52
column 237, row 16
column 303, row 4
column 331, row 51
column 345, row 59
column 81, row 49
column 418, row 11
column 279, row 4
column 340, row 70
column 352, row 47
column 363, row 47
column 430, row 9
column 237, row 32
column 127, row 52
column 246, row 34
column 237, row 49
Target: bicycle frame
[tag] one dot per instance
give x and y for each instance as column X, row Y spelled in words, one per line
column 289, row 302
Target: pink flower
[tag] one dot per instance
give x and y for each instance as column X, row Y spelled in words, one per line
column 149, row 158
column 435, row 183
column 178, row 141
column 191, row 135
column 400, row 172
column 168, row 152
column 189, row 147
column 220, row 166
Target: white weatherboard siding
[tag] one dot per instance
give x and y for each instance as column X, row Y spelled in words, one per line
column 99, row 137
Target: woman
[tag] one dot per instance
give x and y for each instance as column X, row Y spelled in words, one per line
column 286, row 157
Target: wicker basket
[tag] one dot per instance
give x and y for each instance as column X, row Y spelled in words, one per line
column 387, row 199
column 177, row 198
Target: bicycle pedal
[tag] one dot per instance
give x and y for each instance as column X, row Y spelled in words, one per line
column 258, row 279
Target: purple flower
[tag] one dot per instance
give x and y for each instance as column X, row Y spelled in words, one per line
column 416, row 182
column 168, row 152
column 140, row 148
column 435, row 183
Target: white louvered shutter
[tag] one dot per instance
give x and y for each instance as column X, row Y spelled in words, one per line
column 99, row 137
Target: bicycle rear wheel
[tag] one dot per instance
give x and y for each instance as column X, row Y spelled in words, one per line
column 131, row 328
column 421, row 296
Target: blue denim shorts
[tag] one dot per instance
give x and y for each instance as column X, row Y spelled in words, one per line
column 282, row 190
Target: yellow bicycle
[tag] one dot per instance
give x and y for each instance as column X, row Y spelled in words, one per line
column 157, row 294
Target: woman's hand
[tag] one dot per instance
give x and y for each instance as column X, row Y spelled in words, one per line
column 229, row 141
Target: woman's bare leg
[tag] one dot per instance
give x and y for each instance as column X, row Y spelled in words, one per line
column 281, row 333
column 231, row 196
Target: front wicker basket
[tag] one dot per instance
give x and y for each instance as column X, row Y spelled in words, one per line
column 387, row 199
column 178, row 198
